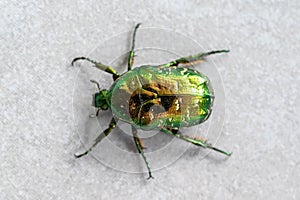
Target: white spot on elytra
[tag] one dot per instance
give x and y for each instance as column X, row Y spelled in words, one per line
column 151, row 116
column 183, row 71
column 188, row 112
column 177, row 104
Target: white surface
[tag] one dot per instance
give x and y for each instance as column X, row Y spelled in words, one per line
column 260, row 76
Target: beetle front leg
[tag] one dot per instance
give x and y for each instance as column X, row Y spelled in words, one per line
column 99, row 65
column 131, row 53
column 139, row 147
column 102, row 135
column 195, row 141
column 194, row 59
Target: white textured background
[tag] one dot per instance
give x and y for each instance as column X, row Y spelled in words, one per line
column 261, row 79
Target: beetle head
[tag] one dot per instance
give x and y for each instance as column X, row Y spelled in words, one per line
column 99, row 100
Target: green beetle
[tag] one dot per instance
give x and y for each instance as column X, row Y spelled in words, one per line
column 164, row 97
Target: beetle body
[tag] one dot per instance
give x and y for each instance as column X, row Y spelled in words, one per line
column 164, row 97
column 153, row 97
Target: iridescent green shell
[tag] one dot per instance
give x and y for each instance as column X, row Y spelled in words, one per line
column 152, row 97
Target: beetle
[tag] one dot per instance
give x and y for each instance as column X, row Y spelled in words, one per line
column 164, row 97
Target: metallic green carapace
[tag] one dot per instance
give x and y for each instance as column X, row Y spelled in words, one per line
column 154, row 97
column 164, row 97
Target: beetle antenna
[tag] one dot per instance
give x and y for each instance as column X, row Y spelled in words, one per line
column 98, row 85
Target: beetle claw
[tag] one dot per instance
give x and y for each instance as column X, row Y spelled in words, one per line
column 150, row 177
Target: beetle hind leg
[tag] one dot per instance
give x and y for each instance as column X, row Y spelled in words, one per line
column 196, row 140
column 139, row 146
column 193, row 59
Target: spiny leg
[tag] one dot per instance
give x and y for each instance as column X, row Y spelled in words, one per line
column 131, row 53
column 102, row 135
column 193, row 59
column 195, row 141
column 139, row 147
column 99, row 65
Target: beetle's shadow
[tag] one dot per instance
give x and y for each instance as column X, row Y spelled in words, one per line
column 198, row 152
column 124, row 140
column 90, row 131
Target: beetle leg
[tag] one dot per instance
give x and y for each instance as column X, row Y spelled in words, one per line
column 97, row 112
column 102, row 135
column 193, row 59
column 131, row 53
column 99, row 65
column 195, row 141
column 140, row 149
